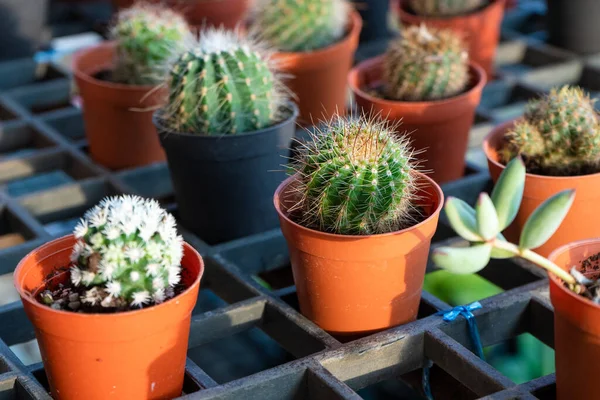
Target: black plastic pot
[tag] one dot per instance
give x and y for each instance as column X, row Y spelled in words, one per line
column 374, row 14
column 574, row 25
column 22, row 27
column 224, row 184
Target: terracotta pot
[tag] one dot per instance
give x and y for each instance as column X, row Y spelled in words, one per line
column 480, row 28
column 354, row 285
column 318, row 78
column 129, row 355
column 200, row 12
column 441, row 127
column 118, row 117
column 580, row 222
column 576, row 327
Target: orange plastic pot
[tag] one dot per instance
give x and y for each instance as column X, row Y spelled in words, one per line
column 117, row 117
column 481, row 29
column 318, row 78
column 440, row 128
column 576, row 327
column 123, row 356
column 580, row 223
column 355, row 285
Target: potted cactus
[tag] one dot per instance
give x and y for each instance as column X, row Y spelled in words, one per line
column 358, row 220
column 226, row 130
column 559, row 140
column 111, row 304
column 315, row 41
column 426, row 80
column 116, row 82
column 477, row 20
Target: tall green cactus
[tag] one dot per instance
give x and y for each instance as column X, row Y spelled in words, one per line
column 445, row 8
column 356, row 177
column 425, row 64
column 295, row 26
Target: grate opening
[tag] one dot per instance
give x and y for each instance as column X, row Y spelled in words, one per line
column 21, row 141
column 6, row 114
column 26, row 72
column 68, row 124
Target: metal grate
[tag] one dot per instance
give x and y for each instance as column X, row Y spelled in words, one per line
column 247, row 341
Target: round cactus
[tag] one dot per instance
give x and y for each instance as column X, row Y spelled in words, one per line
column 146, row 35
column 128, row 253
column 425, row 64
column 356, row 177
column 225, row 84
column 445, row 8
column 559, row 134
column 295, row 26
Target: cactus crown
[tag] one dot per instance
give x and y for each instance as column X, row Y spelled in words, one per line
column 146, row 35
column 355, row 177
column 224, row 84
column 294, row 26
column 425, row 64
column 445, row 8
column 128, row 253
column 559, row 134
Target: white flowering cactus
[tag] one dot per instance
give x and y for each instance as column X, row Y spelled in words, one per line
column 128, row 253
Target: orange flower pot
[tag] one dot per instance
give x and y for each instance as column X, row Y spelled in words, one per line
column 580, row 223
column 318, row 78
column 480, row 28
column 576, row 327
column 440, row 128
column 123, row 356
column 117, row 117
column 355, row 285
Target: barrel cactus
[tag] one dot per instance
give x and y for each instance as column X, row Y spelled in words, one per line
column 445, row 8
column 356, row 177
column 146, row 35
column 559, row 134
column 425, row 64
column 295, row 26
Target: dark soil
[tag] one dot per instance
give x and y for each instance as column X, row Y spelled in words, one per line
column 590, row 267
column 104, row 75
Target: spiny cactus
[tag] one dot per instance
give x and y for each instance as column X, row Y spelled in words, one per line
column 146, row 35
column 559, row 134
column 356, row 177
column 128, row 253
column 225, row 84
column 445, row 8
column 425, row 64
column 295, row 26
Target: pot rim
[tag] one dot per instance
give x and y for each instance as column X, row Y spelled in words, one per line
column 397, row 8
column 26, row 296
column 287, row 181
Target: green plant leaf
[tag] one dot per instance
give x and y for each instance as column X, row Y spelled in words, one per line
column 462, row 219
column 462, row 260
column 487, row 219
column 546, row 219
column 500, row 254
column 508, row 192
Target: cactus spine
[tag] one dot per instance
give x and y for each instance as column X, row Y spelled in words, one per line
column 445, row 8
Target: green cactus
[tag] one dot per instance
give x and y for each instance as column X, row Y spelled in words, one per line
column 146, row 35
column 559, row 134
column 128, row 253
column 445, row 8
column 295, row 26
column 425, row 64
column 356, row 177
column 225, row 84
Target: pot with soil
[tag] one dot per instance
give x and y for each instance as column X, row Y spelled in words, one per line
column 226, row 133
column 315, row 42
column 111, row 304
column 426, row 81
column 477, row 20
column 573, row 25
column 358, row 220
column 117, row 82
column 559, row 140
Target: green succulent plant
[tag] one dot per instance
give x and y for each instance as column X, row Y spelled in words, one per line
column 355, row 177
column 295, row 26
column 445, row 8
column 425, row 64
column 146, row 36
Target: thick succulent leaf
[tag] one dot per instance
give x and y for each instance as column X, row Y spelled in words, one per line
column 546, row 219
column 499, row 253
column 487, row 219
column 508, row 192
column 462, row 260
column 462, row 219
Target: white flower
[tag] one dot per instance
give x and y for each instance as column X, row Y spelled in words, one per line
column 107, row 269
column 113, row 288
column 107, row 302
column 81, row 229
column 75, row 276
column 168, row 228
column 114, row 253
column 98, row 219
column 97, row 240
column 128, row 227
column 154, row 250
column 77, row 251
column 134, row 252
column 158, row 283
column 152, row 269
column 147, row 230
column 112, row 231
column 174, row 277
column 139, row 298
column 134, row 276
column 87, row 277
column 92, row 296
column 159, row 296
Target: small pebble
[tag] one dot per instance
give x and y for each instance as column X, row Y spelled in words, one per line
column 73, row 297
column 55, row 306
column 74, row 305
